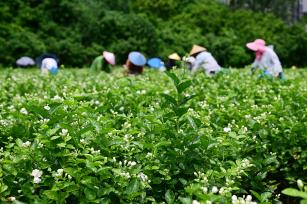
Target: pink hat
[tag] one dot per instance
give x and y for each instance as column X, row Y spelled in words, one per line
column 109, row 56
column 257, row 45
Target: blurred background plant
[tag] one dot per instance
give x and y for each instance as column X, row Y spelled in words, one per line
column 77, row 31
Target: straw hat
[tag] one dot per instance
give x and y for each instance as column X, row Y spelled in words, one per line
column 109, row 56
column 137, row 58
column 258, row 44
column 197, row 49
column 174, row 56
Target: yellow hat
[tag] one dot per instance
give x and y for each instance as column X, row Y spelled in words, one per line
column 197, row 49
column 174, row 56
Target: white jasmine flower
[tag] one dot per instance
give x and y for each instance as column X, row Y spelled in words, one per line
column 11, row 199
column 36, row 180
column 227, row 129
column 143, row 177
column 149, row 154
column 205, row 189
column 69, row 177
column 248, row 198
column 94, row 151
column 26, row 144
column 57, row 97
column 132, row 163
column 37, row 173
column 234, row 198
column 221, row 191
column 245, row 163
column 195, row 202
column 46, row 107
column 214, row 189
column 60, row 172
column 24, row 111
column 82, row 141
column 64, row 132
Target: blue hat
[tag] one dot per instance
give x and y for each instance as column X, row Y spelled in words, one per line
column 155, row 63
column 137, row 58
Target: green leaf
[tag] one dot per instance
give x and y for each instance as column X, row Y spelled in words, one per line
column 192, row 123
column 3, row 188
column 169, row 196
column 133, row 186
column 55, row 137
column 61, row 145
column 185, row 200
column 187, row 98
column 52, row 131
column 257, row 195
column 52, row 195
column 303, row 201
column 294, row 193
column 169, row 98
column 90, row 194
column 19, row 142
column 173, row 77
column 181, row 111
column 183, row 86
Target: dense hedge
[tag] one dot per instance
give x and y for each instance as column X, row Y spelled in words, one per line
column 77, row 31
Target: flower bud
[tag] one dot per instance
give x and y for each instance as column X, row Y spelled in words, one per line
column 300, row 184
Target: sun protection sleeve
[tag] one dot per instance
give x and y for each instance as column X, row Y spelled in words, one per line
column 97, row 63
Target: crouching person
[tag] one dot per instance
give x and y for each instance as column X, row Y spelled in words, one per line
column 103, row 62
column 173, row 61
column 266, row 59
column 135, row 63
column 49, row 65
column 200, row 58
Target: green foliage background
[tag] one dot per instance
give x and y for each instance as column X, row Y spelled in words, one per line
column 77, row 31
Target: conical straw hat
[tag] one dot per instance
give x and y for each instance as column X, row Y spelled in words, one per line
column 109, row 56
column 137, row 58
column 174, row 56
column 197, row 49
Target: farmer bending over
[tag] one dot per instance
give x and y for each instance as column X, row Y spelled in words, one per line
column 49, row 65
column 135, row 63
column 103, row 62
column 200, row 58
column 173, row 61
column 266, row 59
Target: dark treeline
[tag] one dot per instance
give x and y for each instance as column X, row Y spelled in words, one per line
column 79, row 30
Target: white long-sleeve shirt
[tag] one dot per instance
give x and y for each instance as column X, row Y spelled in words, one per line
column 269, row 61
column 205, row 61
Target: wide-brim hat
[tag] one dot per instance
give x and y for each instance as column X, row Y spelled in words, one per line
column 196, row 49
column 109, row 57
column 174, row 56
column 137, row 58
column 258, row 44
column 155, row 63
